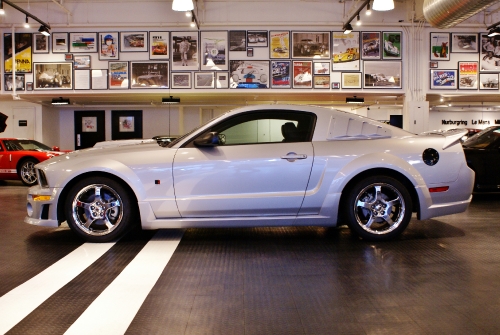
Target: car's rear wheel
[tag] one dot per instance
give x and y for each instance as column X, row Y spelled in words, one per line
column 26, row 171
column 99, row 209
column 378, row 208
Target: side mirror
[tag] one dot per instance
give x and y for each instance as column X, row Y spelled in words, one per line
column 55, row 149
column 210, row 139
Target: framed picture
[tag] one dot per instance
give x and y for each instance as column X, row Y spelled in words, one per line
column 82, row 42
column 433, row 65
column 185, row 51
column 149, row 74
column 22, row 50
column 89, row 124
column 321, row 68
column 181, row 80
column 335, row 85
column 60, row 43
column 393, row 42
column 311, row 45
column 134, row 41
column 204, row 80
column 321, row 81
column 464, row 43
column 489, row 57
column 158, row 45
column 109, row 46
column 370, row 44
column 440, row 46
column 40, row 44
column 81, row 62
column 249, row 52
column 82, row 79
column 487, row 81
column 351, row 80
column 118, row 75
column 99, row 79
column 68, row 57
column 237, row 40
column 29, row 86
column 302, row 74
column 222, row 79
column 214, row 49
column 280, row 74
column 257, row 38
column 126, row 124
column 53, row 76
column 9, row 83
column 249, row 74
column 467, row 75
column 279, row 46
column 382, row 74
column 444, row 79
column 345, row 51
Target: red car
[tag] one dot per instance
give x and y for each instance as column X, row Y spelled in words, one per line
column 19, row 156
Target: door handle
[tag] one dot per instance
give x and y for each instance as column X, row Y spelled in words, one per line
column 292, row 156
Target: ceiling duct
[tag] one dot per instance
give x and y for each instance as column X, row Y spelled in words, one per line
column 448, row 13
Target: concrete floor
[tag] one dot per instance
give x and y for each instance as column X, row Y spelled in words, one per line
column 442, row 276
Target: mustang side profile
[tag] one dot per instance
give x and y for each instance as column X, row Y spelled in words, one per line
column 268, row 165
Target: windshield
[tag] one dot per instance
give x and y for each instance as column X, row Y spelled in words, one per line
column 484, row 138
column 16, row 145
column 174, row 142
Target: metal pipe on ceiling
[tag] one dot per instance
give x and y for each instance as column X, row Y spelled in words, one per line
column 448, row 13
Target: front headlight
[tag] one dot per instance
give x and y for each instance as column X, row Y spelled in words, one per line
column 42, row 179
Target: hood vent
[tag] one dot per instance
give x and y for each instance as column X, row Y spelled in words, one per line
column 448, row 13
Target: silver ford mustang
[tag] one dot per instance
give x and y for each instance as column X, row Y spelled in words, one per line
column 263, row 165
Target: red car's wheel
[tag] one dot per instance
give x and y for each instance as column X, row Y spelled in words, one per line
column 26, row 171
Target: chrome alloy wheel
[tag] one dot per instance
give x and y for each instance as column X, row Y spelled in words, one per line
column 379, row 208
column 27, row 172
column 97, row 209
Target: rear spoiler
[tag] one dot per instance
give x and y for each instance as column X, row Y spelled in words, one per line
column 452, row 136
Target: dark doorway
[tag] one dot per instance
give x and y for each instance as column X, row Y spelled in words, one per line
column 89, row 128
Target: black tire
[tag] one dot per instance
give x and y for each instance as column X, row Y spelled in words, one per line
column 378, row 208
column 26, row 171
column 104, row 218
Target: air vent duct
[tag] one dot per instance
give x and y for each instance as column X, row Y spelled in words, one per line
column 448, row 13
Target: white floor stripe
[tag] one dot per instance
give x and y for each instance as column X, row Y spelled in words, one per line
column 115, row 308
column 18, row 303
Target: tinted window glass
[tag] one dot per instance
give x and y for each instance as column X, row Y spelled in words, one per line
column 484, row 139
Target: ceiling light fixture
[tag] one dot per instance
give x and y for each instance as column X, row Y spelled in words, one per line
column 383, row 5
column 28, row 14
column 182, row 5
column 494, row 32
column 368, row 9
column 26, row 23
column 2, row 12
column 60, row 101
column 170, row 101
column 44, row 30
column 358, row 21
column 354, row 100
column 347, row 28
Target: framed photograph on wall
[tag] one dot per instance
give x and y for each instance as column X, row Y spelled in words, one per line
column 321, row 81
column 222, row 80
column 204, row 80
column 99, row 79
column 181, row 80
column 126, row 124
column 335, row 85
column 440, row 46
column 82, row 42
column 487, row 81
column 29, row 86
column 280, row 74
column 302, row 74
column 310, row 44
column 23, row 45
column 134, row 41
column 149, row 74
column 249, row 52
column 214, row 50
column 351, row 80
column 118, row 75
column 467, row 75
column 109, row 46
column 392, row 44
column 159, row 45
column 464, row 43
column 9, row 82
column 370, row 45
column 321, row 68
column 249, row 74
column 60, row 43
column 185, row 54
column 257, row 38
column 345, row 51
column 237, row 40
column 433, row 65
column 279, row 45
column 82, row 79
column 81, row 62
column 40, row 44
column 489, row 57
column 443, row 79
column 53, row 76
column 382, row 74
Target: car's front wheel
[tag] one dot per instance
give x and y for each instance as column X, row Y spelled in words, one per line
column 26, row 171
column 378, row 208
column 100, row 209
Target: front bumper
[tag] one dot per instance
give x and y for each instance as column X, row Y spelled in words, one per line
column 42, row 212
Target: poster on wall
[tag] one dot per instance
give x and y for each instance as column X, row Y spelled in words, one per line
column 370, row 42
column 214, row 50
column 158, row 45
column 185, row 51
column 345, row 51
column 488, row 81
column 257, row 38
column 9, row 82
column 440, row 46
column 279, row 44
column 280, row 74
column 40, row 44
column 181, row 80
column 467, row 75
column 382, row 74
column 302, row 74
column 60, row 43
column 108, row 46
column 53, row 76
column 310, row 44
column 392, row 44
column 464, row 43
column 149, row 74
column 23, row 45
column 444, row 79
column 237, row 40
column 118, row 75
column 249, row 74
column 134, row 41
column 489, row 57
column 350, row 80
column 82, row 42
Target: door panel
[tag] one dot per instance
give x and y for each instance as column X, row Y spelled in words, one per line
column 23, row 124
column 242, row 180
column 89, row 128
